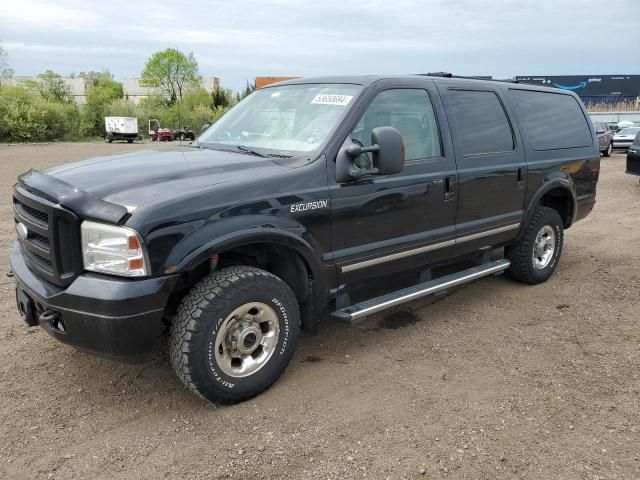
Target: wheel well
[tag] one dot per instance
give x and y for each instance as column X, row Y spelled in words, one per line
column 561, row 201
column 282, row 261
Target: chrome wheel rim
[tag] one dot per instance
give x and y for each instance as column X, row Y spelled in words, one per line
column 544, row 247
column 610, row 149
column 247, row 339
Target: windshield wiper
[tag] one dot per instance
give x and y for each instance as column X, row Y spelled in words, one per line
column 246, row 149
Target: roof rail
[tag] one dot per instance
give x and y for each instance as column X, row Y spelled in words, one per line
column 478, row 77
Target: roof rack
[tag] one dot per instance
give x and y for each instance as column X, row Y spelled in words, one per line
column 477, row 77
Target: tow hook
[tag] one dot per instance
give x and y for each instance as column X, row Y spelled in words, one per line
column 49, row 316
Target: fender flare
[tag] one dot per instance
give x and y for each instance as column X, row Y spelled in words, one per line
column 261, row 234
column 246, row 237
column 563, row 183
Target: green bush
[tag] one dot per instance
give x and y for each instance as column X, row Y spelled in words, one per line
column 103, row 90
column 26, row 116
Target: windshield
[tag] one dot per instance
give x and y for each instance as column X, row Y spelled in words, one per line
column 291, row 118
column 629, row 131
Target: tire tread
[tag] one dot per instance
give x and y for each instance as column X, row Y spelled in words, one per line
column 519, row 254
column 216, row 288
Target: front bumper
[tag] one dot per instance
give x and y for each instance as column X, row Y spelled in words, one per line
column 622, row 143
column 112, row 317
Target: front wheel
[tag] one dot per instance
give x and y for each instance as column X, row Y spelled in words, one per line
column 535, row 256
column 609, row 150
column 234, row 334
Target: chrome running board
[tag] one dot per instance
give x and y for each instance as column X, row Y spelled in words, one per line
column 369, row 307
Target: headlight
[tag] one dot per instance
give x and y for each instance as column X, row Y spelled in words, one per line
column 112, row 249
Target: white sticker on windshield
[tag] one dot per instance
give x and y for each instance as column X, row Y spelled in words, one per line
column 329, row 99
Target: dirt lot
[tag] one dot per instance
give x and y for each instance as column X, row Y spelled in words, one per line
column 498, row 380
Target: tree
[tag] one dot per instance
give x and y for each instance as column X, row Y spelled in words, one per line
column 248, row 90
column 51, row 86
column 92, row 77
column 171, row 72
column 220, row 98
column 102, row 91
column 5, row 70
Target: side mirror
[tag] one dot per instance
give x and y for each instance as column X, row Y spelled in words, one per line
column 600, row 132
column 387, row 148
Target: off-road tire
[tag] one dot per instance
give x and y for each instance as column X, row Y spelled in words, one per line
column 200, row 315
column 521, row 253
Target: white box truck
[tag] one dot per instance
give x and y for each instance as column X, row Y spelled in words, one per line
column 121, row 128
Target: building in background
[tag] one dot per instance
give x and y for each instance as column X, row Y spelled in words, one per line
column 593, row 89
column 77, row 86
column 136, row 91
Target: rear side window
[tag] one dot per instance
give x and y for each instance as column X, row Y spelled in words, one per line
column 481, row 122
column 551, row 121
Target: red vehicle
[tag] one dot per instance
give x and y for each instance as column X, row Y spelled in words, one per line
column 156, row 133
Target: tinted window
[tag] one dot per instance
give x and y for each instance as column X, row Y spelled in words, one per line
column 481, row 122
column 629, row 131
column 550, row 120
column 408, row 110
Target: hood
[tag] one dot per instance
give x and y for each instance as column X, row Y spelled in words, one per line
column 134, row 179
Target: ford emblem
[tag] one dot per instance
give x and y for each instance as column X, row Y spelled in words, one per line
column 23, row 233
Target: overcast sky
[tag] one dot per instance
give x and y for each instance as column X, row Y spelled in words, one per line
column 237, row 40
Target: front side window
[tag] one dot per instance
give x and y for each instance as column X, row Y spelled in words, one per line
column 290, row 118
column 482, row 124
column 409, row 111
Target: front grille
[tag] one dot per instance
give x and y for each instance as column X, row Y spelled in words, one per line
column 52, row 243
column 41, row 218
column 40, row 241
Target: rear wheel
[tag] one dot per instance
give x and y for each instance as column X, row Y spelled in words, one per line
column 234, row 334
column 535, row 256
column 609, row 150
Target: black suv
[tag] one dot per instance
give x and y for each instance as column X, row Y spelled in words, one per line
column 287, row 206
column 633, row 157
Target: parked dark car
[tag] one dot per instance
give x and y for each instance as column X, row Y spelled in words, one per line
column 625, row 137
column 605, row 138
column 633, row 157
column 296, row 204
column 184, row 133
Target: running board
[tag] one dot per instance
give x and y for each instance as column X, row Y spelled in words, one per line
column 360, row 310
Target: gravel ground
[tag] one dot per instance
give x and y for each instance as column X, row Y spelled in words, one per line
column 497, row 380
